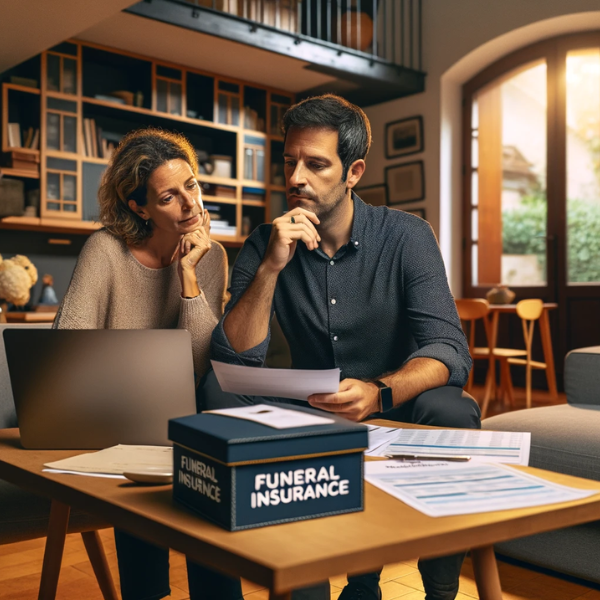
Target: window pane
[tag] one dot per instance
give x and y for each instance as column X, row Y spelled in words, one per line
column 222, row 109
column 248, row 164
column 69, row 187
column 53, row 131
column 70, row 134
column 175, row 98
column 53, row 186
column 474, row 188
column 52, row 72
column 235, row 110
column 162, row 89
column 69, row 81
column 510, row 144
column 260, row 165
column 583, row 166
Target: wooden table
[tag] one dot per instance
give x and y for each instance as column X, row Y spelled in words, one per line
column 30, row 317
column 497, row 309
column 293, row 555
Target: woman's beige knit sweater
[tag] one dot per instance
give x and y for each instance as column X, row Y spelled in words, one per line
column 110, row 289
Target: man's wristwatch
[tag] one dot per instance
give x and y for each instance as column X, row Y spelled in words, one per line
column 386, row 400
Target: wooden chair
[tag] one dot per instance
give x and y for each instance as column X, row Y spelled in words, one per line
column 471, row 310
column 529, row 311
column 26, row 516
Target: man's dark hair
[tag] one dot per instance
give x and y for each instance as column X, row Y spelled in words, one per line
column 337, row 114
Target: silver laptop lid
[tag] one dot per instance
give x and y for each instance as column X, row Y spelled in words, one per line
column 89, row 389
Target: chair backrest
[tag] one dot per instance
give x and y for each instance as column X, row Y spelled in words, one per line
column 8, row 416
column 471, row 310
column 530, row 310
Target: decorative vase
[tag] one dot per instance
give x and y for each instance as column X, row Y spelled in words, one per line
column 501, row 294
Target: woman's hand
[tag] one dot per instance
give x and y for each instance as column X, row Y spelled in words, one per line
column 192, row 247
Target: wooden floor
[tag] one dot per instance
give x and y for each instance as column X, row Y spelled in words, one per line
column 20, row 565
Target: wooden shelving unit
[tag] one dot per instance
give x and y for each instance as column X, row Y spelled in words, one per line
column 88, row 96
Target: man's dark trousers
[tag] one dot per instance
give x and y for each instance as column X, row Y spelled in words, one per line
column 441, row 407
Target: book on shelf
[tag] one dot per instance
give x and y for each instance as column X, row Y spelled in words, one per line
column 87, row 136
column 223, row 191
column 28, row 137
column 94, row 140
column 35, row 141
column 14, row 135
column 99, row 148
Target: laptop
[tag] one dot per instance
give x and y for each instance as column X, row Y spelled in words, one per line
column 94, row 388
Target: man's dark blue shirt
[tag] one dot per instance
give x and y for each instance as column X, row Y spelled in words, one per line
column 382, row 300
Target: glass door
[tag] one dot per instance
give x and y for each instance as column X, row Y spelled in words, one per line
column 508, row 207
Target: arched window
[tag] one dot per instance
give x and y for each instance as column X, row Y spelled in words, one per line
column 532, row 180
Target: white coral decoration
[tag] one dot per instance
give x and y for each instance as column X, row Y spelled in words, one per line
column 17, row 276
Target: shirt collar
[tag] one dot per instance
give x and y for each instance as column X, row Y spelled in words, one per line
column 359, row 222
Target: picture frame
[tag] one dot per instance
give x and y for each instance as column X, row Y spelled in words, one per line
column 405, row 182
column 404, row 137
column 375, row 195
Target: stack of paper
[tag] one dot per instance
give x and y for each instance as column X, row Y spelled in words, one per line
column 113, row 462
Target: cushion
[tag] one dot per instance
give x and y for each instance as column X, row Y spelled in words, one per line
column 582, row 376
column 564, row 438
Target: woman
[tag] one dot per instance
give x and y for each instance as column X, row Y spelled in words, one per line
column 153, row 266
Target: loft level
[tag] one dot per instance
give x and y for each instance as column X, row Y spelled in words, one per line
column 371, row 47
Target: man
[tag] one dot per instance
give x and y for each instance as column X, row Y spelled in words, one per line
column 357, row 287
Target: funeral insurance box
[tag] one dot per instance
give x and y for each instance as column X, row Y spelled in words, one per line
column 241, row 474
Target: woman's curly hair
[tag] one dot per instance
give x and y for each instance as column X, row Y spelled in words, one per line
column 138, row 155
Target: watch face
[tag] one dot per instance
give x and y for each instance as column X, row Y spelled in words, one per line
column 387, row 401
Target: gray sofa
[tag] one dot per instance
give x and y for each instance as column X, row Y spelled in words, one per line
column 565, row 439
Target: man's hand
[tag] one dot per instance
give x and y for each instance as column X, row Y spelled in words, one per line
column 356, row 400
column 285, row 235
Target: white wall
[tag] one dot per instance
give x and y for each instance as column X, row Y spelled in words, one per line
column 460, row 38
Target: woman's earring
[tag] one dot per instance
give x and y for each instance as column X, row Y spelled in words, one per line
column 148, row 221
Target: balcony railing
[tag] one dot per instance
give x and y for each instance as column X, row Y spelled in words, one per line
column 375, row 44
column 386, row 30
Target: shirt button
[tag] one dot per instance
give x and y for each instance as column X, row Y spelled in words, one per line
column 333, row 301
column 356, row 243
column 331, row 262
column 335, row 338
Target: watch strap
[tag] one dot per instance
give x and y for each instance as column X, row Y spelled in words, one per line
column 386, row 399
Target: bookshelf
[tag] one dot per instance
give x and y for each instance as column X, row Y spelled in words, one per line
column 64, row 111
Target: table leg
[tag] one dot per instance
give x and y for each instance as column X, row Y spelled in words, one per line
column 97, row 556
column 486, row 573
column 548, row 354
column 490, row 380
column 55, row 544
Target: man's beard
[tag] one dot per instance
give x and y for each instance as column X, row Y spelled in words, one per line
column 326, row 208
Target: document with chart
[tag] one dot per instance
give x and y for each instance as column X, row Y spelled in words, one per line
column 510, row 447
column 443, row 489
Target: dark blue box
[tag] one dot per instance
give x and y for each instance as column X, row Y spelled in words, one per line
column 242, row 474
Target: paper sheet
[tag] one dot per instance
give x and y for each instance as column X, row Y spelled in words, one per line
column 118, row 460
column 509, row 447
column 273, row 416
column 65, row 472
column 378, row 436
column 297, row 384
column 443, row 489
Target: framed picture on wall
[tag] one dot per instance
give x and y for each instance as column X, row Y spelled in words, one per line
column 404, row 137
column 376, row 195
column 419, row 212
column 405, row 183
